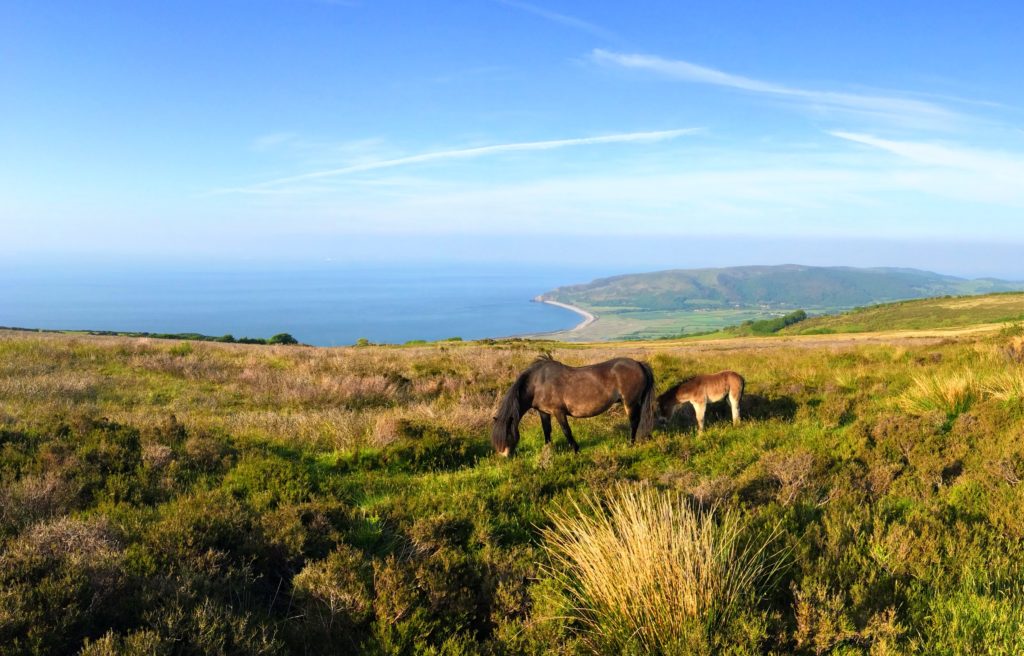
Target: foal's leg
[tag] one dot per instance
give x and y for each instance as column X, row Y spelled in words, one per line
column 734, row 404
column 564, row 423
column 698, row 409
column 545, row 423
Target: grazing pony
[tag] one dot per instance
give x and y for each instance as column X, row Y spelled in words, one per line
column 554, row 389
column 701, row 390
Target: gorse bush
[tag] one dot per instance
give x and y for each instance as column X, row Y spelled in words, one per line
column 644, row 572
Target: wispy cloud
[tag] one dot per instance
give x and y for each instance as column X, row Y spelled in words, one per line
column 983, row 176
column 996, row 164
column 569, row 21
column 875, row 105
column 465, row 153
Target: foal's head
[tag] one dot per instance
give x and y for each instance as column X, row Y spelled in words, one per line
column 665, row 406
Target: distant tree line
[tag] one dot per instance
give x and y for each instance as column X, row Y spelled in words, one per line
column 279, row 338
column 769, row 326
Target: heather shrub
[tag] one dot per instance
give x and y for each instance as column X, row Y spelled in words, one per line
column 137, row 643
column 61, row 580
column 973, row 622
column 335, row 597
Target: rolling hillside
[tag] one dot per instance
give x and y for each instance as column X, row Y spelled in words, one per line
column 777, row 287
column 669, row 303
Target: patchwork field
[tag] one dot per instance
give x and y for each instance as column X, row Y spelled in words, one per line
column 179, row 497
column 640, row 324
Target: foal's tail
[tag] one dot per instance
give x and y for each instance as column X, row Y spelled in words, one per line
column 646, row 425
column 505, row 432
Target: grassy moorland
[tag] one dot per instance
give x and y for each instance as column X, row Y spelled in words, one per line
column 929, row 313
column 203, row 498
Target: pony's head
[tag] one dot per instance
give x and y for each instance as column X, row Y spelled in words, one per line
column 505, row 431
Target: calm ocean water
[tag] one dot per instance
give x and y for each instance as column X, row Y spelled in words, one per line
column 324, row 305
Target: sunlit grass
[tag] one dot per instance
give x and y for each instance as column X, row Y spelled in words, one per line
column 951, row 394
column 1006, row 386
column 643, row 570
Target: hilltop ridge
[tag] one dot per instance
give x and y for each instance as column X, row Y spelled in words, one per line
column 777, row 286
column 670, row 302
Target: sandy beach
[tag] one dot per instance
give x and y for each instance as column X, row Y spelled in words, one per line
column 588, row 318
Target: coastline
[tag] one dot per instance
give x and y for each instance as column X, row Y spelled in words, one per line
column 588, row 318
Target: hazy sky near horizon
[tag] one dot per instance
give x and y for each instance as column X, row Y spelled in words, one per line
column 500, row 129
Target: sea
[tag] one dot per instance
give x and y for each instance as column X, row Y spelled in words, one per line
column 323, row 304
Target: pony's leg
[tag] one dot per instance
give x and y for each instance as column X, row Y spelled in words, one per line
column 545, row 423
column 633, row 412
column 564, row 423
column 734, row 404
column 698, row 409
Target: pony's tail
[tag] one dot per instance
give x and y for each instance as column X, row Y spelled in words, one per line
column 505, row 433
column 646, row 425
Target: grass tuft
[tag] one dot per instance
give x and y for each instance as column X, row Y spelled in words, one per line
column 951, row 394
column 643, row 571
column 1006, row 386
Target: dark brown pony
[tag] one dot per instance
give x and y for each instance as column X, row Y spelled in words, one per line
column 554, row 389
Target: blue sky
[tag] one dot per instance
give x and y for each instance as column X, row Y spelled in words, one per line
column 661, row 133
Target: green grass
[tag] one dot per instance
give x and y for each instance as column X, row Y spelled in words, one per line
column 929, row 313
column 224, row 498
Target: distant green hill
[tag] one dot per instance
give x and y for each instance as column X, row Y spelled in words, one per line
column 785, row 287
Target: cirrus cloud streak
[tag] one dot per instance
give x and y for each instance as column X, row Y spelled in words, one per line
column 465, row 153
column 877, row 106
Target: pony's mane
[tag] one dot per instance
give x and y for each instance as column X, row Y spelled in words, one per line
column 538, row 362
column 669, row 392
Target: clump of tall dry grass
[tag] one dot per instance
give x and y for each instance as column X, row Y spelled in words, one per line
column 1007, row 386
column 643, row 571
column 951, row 394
